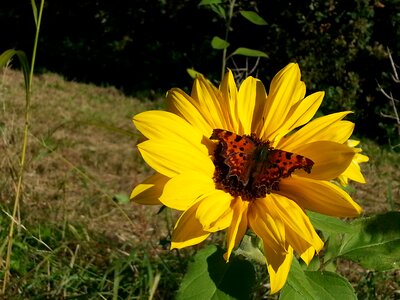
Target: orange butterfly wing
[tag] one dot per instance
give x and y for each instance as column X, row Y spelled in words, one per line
column 237, row 152
column 252, row 160
column 280, row 164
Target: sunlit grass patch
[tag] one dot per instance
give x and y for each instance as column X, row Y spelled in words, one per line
column 69, row 261
column 81, row 148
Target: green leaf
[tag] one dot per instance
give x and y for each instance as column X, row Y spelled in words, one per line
column 34, row 10
column 193, row 73
column 332, row 248
column 23, row 60
column 297, row 285
column 121, row 198
column 218, row 43
column 210, row 277
column 374, row 242
column 5, row 57
column 329, row 224
column 315, row 285
column 333, row 230
column 210, row 2
column 330, row 285
column 253, row 17
column 215, row 6
column 249, row 52
column 219, row 10
column 248, row 247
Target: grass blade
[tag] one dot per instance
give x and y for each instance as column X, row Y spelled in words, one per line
column 34, row 10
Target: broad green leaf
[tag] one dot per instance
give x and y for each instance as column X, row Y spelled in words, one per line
column 193, row 73
column 332, row 248
column 329, row 224
column 333, row 230
column 314, row 265
column 23, row 60
column 315, row 285
column 218, row 43
column 297, row 285
column 210, row 277
column 249, row 52
column 330, row 285
column 209, row 2
column 374, row 242
column 253, row 17
column 34, row 10
column 248, row 247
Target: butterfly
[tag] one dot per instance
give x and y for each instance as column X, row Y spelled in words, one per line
column 253, row 162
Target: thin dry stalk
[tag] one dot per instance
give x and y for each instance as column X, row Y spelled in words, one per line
column 10, row 237
column 394, row 102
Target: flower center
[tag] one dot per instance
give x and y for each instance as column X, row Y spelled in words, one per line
column 248, row 167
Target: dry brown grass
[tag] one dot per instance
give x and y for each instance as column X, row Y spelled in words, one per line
column 81, row 153
column 382, row 173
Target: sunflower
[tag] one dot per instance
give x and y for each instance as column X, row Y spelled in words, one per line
column 237, row 159
column 353, row 171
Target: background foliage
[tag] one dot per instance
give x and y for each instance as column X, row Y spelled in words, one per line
column 146, row 46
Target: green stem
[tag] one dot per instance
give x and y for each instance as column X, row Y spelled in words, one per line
column 23, row 154
column 228, row 26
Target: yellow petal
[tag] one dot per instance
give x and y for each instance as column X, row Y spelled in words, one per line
column 330, row 159
column 185, row 189
column 305, row 109
column 229, row 93
column 352, row 143
column 261, row 100
column 299, row 92
column 300, row 233
column 239, row 225
column 188, row 231
column 214, row 211
column 278, row 268
column 319, row 196
column 353, row 172
column 162, row 125
column 316, row 130
column 343, row 180
column 360, row 158
column 337, row 132
column 301, row 113
column 280, row 99
column 270, row 230
column 308, row 255
column 251, row 92
column 182, row 104
column 149, row 191
column 170, row 158
column 210, row 103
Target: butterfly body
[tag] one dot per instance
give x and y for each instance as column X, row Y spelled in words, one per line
column 253, row 163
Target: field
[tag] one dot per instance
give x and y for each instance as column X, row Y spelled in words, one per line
column 78, row 236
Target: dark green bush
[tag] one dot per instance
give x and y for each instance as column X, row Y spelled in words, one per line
column 147, row 45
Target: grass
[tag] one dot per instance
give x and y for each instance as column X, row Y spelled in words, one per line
column 78, row 236
column 74, row 239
